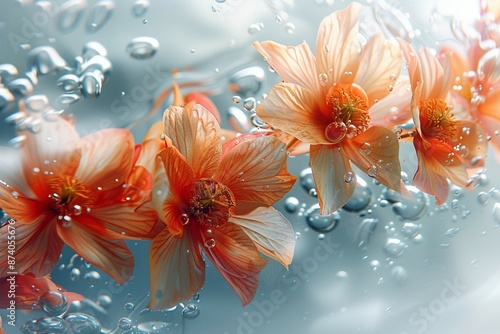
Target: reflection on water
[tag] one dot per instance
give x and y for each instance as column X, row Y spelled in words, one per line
column 383, row 263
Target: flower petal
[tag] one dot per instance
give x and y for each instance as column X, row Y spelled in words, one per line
column 436, row 73
column 38, row 247
column 337, row 45
column 491, row 125
column 236, row 257
column 294, row 146
column 111, row 256
column 472, row 143
column 380, row 65
column 195, row 132
column 270, row 231
column 206, row 102
column 416, row 80
column 294, row 110
column 107, row 157
column 151, row 145
column 172, row 176
column 295, row 64
column 53, row 150
column 30, row 291
column 395, row 108
column 255, row 170
column 435, row 166
column 177, row 270
column 376, row 152
column 329, row 165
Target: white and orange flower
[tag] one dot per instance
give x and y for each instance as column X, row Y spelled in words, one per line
column 215, row 199
column 326, row 101
column 446, row 147
column 82, row 192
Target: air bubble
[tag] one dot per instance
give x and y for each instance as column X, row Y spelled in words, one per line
column 190, row 311
column 321, row 223
column 394, row 247
column 125, row 323
column 291, row 204
column 142, row 47
column 53, row 303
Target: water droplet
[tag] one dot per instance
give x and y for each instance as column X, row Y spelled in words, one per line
column 36, row 102
column 92, row 49
column 144, row 21
column 249, row 103
column 104, row 301
column 366, row 228
column 184, row 219
column 365, row 148
column 255, row 28
column 140, row 7
column 17, row 142
column 125, row 323
column 375, row 264
column 210, row 243
column 483, row 198
column 410, row 230
column 452, row 231
column 291, row 204
column 290, row 28
column 190, row 311
column 361, row 197
column 67, row 99
column 69, row 14
column 306, row 180
column 247, row 81
column 236, row 99
column 92, row 276
column 6, row 98
column 75, row 274
column 321, row 223
column 399, row 275
column 83, row 323
column 53, row 303
column 46, row 325
column 278, row 18
column 142, row 47
column 394, row 247
column 323, row 79
column 99, row 15
column 20, row 87
column 412, row 208
column 91, row 84
column 335, row 132
column 129, row 306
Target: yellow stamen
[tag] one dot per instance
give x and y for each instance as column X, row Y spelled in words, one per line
column 436, row 120
column 350, row 116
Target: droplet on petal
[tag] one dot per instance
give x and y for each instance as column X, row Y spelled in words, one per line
column 335, row 132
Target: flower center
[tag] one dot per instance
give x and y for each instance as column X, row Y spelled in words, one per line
column 211, row 203
column 350, row 117
column 69, row 195
column 436, row 120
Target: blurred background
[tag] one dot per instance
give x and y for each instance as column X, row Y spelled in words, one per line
column 380, row 265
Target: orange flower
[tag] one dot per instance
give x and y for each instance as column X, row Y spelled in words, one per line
column 446, row 147
column 63, row 189
column 325, row 101
column 477, row 86
column 30, row 292
column 215, row 198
